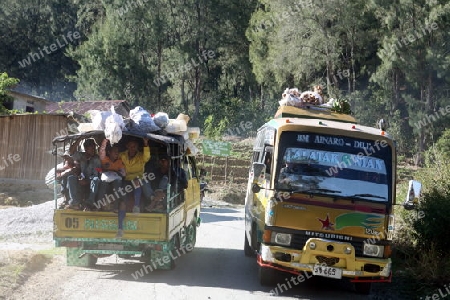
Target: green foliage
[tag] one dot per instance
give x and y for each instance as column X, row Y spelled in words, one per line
column 436, row 173
column 423, row 238
column 428, row 260
column 214, row 129
column 443, row 144
column 388, row 58
column 6, row 82
column 342, row 106
column 234, row 117
column 28, row 29
column 433, row 227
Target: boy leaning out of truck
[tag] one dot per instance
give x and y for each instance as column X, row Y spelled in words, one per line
column 68, row 167
column 113, row 171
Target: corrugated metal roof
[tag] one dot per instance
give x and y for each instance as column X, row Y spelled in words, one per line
column 82, row 107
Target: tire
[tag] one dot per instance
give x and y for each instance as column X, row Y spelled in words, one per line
column 92, row 260
column 191, row 236
column 248, row 251
column 266, row 276
column 176, row 246
column 363, row 287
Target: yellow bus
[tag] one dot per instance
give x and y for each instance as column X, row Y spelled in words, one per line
column 320, row 198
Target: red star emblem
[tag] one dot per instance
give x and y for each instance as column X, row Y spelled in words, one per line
column 326, row 224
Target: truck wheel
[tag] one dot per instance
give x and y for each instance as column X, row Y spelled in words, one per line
column 266, row 276
column 191, row 236
column 92, row 260
column 74, row 259
column 248, row 251
column 363, row 287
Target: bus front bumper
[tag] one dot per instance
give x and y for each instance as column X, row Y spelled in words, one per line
column 323, row 263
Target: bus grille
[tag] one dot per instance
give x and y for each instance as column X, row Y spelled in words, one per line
column 299, row 240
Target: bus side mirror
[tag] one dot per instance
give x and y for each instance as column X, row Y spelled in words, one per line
column 259, row 170
column 413, row 195
column 256, row 188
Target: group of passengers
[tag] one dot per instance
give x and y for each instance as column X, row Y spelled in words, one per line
column 86, row 175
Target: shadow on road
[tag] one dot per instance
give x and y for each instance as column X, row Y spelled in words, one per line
column 210, row 215
column 225, row 268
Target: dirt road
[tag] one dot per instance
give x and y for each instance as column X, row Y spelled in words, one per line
column 216, row 269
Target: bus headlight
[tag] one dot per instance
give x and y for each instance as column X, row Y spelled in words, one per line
column 373, row 250
column 281, row 238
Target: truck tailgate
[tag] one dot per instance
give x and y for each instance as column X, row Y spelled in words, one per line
column 79, row 224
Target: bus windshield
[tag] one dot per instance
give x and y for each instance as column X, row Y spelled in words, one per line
column 340, row 166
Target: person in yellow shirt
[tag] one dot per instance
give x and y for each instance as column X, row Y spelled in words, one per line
column 134, row 162
column 135, row 180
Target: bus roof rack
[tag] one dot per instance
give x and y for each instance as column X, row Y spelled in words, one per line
column 312, row 112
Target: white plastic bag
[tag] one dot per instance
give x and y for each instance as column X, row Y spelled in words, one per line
column 190, row 148
column 113, row 127
column 99, row 118
column 50, row 177
column 110, row 176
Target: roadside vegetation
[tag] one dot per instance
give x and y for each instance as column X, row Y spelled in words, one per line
column 422, row 243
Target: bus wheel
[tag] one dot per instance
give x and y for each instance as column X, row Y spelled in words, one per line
column 363, row 287
column 266, row 276
column 248, row 251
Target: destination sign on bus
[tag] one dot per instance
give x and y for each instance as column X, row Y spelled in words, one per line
column 339, row 141
column 328, row 158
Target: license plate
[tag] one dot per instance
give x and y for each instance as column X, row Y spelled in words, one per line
column 110, row 247
column 330, row 272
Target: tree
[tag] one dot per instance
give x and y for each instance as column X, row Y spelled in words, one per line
column 413, row 66
column 28, row 29
column 6, row 82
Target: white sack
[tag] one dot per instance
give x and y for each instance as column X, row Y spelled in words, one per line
column 110, row 176
column 98, row 119
column 113, row 127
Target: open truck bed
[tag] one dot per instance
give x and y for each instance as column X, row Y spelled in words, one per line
column 149, row 237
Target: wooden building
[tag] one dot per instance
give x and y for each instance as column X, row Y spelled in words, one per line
column 26, row 144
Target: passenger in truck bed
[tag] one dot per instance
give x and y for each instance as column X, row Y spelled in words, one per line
column 88, row 180
column 134, row 161
column 159, row 178
column 62, row 173
column 113, row 172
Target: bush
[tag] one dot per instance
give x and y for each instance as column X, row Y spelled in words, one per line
column 422, row 242
column 432, row 229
